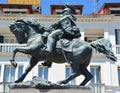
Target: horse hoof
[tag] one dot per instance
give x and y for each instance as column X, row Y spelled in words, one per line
column 16, row 81
column 47, row 63
column 14, row 64
column 61, row 82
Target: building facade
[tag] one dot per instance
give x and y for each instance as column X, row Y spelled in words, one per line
column 92, row 27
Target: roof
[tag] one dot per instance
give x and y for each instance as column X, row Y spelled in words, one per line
column 15, row 5
column 112, row 4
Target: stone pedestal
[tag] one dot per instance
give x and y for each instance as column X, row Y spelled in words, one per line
column 33, row 90
column 38, row 86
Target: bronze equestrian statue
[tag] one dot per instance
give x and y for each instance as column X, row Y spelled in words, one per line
column 77, row 52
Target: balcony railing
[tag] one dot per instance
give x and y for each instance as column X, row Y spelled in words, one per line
column 5, row 48
column 117, row 49
column 95, row 88
column 4, row 87
column 8, row 48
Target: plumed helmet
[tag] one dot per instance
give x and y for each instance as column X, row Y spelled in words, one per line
column 68, row 10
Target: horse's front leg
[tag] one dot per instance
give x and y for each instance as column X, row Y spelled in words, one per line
column 12, row 60
column 22, row 50
column 31, row 64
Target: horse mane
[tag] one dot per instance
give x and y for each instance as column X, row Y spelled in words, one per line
column 33, row 22
column 30, row 21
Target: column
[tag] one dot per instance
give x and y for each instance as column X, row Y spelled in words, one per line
column 82, row 33
column 106, row 34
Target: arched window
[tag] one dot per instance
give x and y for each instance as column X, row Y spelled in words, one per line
column 1, row 38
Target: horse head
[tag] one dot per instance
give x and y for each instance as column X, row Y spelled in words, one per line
column 23, row 29
column 18, row 28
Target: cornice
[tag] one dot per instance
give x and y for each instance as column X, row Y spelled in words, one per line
column 51, row 18
column 94, row 19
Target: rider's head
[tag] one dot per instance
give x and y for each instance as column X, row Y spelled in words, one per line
column 66, row 11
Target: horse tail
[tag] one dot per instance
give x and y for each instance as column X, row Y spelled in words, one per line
column 104, row 46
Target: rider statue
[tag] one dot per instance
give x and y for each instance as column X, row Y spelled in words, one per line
column 64, row 28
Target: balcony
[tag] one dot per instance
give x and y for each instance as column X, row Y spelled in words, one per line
column 6, row 48
column 117, row 49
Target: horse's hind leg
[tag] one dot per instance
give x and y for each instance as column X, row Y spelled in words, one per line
column 87, row 74
column 31, row 64
column 76, row 72
column 84, row 70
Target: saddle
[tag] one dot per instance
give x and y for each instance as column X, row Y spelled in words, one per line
column 66, row 44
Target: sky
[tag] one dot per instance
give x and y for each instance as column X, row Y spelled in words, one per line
column 89, row 6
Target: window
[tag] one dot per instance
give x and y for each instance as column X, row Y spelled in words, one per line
column 6, row 40
column 0, row 71
column 14, row 11
column 119, row 75
column 10, row 40
column 115, row 12
column 7, row 12
column 117, row 35
column 68, row 73
column 1, row 39
column 43, row 72
column 95, row 71
column 9, row 74
column 20, row 71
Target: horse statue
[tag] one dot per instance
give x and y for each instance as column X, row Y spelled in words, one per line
column 78, row 53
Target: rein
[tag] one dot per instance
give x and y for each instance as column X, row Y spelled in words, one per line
column 61, row 45
column 63, row 50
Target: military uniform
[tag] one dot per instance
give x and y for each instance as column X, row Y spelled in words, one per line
column 65, row 28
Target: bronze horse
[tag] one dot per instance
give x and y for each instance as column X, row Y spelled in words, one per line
column 78, row 54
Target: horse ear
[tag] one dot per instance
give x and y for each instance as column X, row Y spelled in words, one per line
column 11, row 26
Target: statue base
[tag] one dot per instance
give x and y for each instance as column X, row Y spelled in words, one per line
column 33, row 90
column 43, row 86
